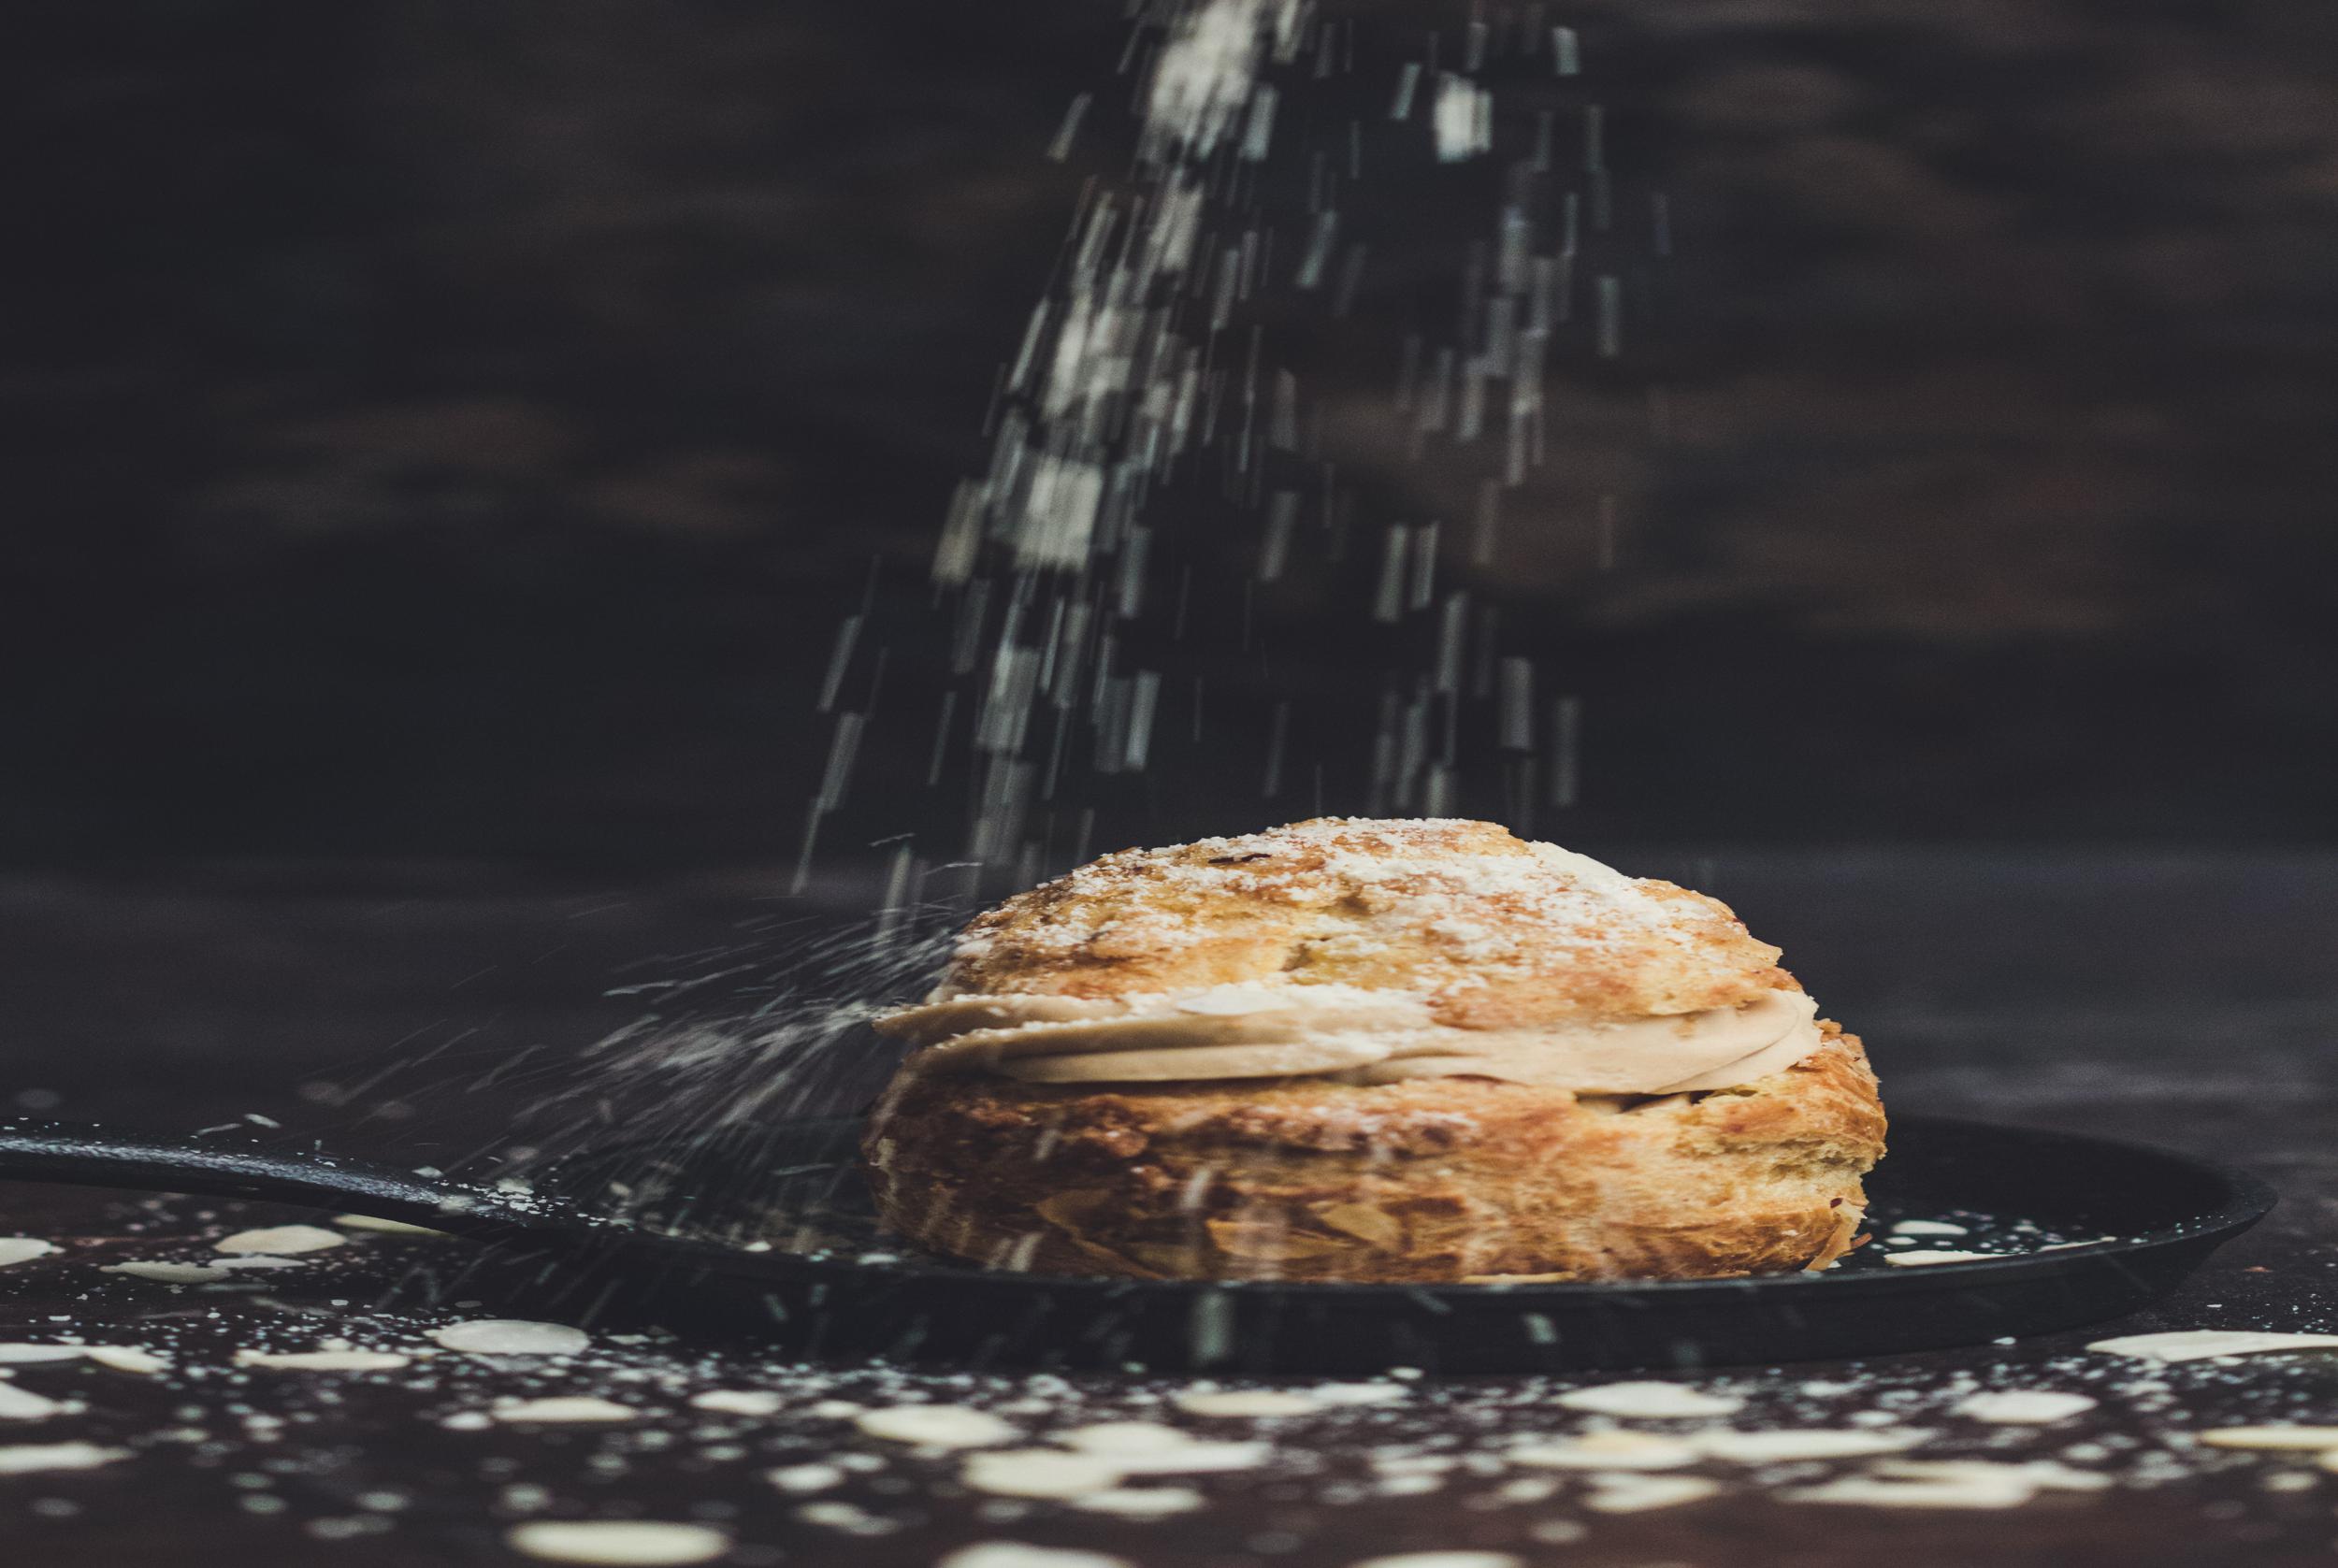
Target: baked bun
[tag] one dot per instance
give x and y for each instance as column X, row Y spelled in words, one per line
column 1383, row 1051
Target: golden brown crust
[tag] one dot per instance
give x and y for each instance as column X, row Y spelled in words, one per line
column 1420, row 1181
column 1494, row 931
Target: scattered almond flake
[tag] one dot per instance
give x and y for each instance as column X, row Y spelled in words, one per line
column 2040, row 1475
column 466, row 1420
column 1651, row 1401
column 2319, row 1439
column 1017, row 1554
column 22, row 1404
column 23, row 1249
column 2289, row 1480
column 324, row 1360
column 261, row 1260
column 170, row 1273
column 1921, row 1260
column 557, row 1408
column 835, row 1409
column 1409, row 1486
column 1608, row 1450
column 1360, row 1393
column 937, row 1426
column 511, row 1336
column 850, row 1517
column 1874, row 1491
column 1039, row 1473
column 1125, row 1437
column 629, row 1543
column 125, row 1358
column 387, row 1227
column 1140, row 1503
column 1635, row 1494
column 739, row 1402
column 26, row 1353
column 1525, row 1488
column 1806, row 1442
column 1149, row 1448
column 1930, row 1228
column 1444, row 1559
column 2199, row 1345
column 24, row 1459
column 804, row 1478
column 2021, row 1407
column 1190, row 1458
column 2330, row 1461
column 1245, row 1401
column 281, row 1237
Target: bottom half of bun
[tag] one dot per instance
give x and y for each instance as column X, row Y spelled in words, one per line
column 1420, row 1181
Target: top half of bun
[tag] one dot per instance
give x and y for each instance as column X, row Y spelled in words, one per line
column 1493, row 931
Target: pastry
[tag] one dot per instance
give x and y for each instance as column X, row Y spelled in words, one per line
column 1372, row 1051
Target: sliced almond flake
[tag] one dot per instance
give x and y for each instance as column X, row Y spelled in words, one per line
column 620, row 1543
column 22, row 1404
column 125, row 1358
column 1245, row 1401
column 281, row 1239
column 1649, row 1400
column 937, row 1426
column 804, row 1478
column 1125, row 1437
column 1920, row 1259
column 1139, row 1502
column 2316, row 1439
column 1874, row 1491
column 1194, row 1459
column 511, row 1336
column 2043, row 1475
column 1049, row 1473
column 324, row 1360
column 387, row 1227
column 850, row 1517
column 2329, row 1460
column 1608, row 1450
column 170, row 1273
column 739, row 1402
column 2021, row 1407
column 121, row 1357
column 23, row 1249
column 1019, row 1554
column 561, row 1408
column 1929, row 1228
column 1806, row 1443
column 25, row 1459
column 1359, row 1393
column 2200, row 1345
column 1636, row 1495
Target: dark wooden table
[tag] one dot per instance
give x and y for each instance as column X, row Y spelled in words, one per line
column 2187, row 999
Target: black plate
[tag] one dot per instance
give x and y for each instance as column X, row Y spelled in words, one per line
column 773, row 1238
column 2143, row 1219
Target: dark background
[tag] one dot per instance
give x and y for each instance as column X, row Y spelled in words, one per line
column 441, row 436
column 451, row 431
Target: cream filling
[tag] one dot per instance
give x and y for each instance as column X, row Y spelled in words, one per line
column 1362, row 1036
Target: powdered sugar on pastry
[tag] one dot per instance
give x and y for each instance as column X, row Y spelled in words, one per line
column 1374, row 951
